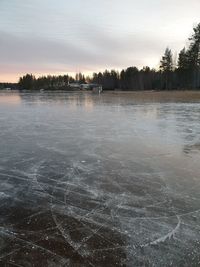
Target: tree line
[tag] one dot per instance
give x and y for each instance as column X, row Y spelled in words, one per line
column 183, row 74
column 11, row 86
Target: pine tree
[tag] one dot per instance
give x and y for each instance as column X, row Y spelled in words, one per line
column 183, row 69
column 166, row 67
column 189, row 61
column 183, row 60
column 27, row 82
column 166, row 64
column 194, row 48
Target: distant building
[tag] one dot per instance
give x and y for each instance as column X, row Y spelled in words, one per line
column 92, row 86
column 75, row 85
column 86, row 86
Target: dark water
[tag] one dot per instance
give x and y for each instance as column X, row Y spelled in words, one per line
column 89, row 180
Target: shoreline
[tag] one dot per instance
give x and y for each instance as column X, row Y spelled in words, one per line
column 141, row 96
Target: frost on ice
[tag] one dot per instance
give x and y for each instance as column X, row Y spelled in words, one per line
column 103, row 180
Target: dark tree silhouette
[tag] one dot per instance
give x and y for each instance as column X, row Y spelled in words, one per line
column 189, row 62
column 27, row 82
column 166, row 67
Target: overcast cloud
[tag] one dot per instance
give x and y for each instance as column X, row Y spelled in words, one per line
column 69, row 36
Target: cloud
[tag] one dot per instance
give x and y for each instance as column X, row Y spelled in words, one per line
column 99, row 50
column 47, row 37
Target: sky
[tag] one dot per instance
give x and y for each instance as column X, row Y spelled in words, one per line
column 58, row 37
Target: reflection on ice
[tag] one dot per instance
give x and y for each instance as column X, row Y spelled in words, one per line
column 109, row 180
column 11, row 98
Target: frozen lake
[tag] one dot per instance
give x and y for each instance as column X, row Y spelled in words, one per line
column 109, row 180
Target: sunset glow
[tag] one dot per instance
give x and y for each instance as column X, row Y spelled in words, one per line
column 44, row 37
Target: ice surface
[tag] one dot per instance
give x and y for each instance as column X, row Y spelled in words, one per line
column 99, row 180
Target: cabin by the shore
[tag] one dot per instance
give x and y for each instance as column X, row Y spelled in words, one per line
column 86, row 86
